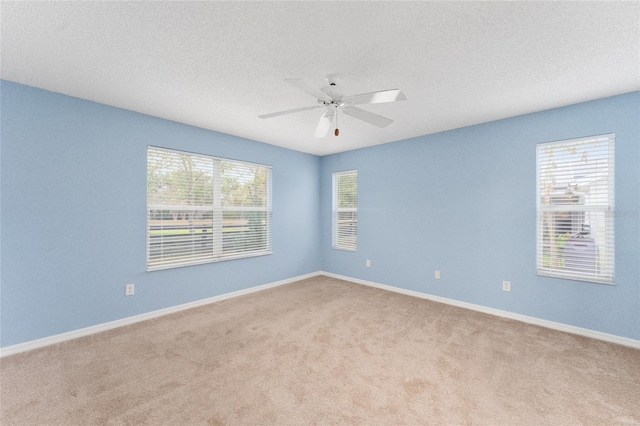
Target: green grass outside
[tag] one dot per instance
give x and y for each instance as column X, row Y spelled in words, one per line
column 186, row 231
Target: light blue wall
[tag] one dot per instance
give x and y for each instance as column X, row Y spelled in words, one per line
column 73, row 215
column 463, row 202
column 73, row 205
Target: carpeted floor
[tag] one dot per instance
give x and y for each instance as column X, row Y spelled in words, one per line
column 324, row 351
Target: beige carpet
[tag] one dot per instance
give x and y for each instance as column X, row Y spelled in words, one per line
column 324, row 351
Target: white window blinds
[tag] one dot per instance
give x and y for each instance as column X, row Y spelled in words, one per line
column 203, row 209
column 345, row 210
column 575, row 203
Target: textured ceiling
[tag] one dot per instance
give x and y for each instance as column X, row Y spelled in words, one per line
column 218, row 65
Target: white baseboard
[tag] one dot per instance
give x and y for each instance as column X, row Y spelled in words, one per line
column 58, row 338
column 625, row 341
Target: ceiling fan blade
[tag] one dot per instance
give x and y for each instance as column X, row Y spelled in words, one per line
column 309, row 88
column 375, row 97
column 289, row 111
column 369, row 117
column 323, row 125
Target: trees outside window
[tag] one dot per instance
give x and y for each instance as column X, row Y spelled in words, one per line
column 575, row 203
column 202, row 209
column 345, row 210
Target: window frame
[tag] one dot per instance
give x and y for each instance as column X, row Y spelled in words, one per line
column 216, row 209
column 339, row 239
column 592, row 256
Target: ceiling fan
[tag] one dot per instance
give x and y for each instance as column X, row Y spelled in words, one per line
column 333, row 100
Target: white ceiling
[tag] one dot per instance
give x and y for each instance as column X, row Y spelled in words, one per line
column 218, row 65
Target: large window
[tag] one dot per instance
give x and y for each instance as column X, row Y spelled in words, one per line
column 345, row 210
column 575, row 199
column 204, row 209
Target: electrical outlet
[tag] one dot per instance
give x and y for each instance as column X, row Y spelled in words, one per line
column 368, row 263
column 128, row 290
column 437, row 275
column 506, row 285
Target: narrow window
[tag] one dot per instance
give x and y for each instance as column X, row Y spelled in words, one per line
column 203, row 209
column 345, row 210
column 575, row 203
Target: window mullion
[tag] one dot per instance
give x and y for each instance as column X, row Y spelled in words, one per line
column 217, row 209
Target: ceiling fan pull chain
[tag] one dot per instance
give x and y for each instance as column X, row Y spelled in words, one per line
column 337, row 131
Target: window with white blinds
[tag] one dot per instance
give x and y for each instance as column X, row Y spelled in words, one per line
column 345, row 210
column 204, row 209
column 575, row 203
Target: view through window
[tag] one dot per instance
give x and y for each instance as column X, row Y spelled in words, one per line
column 575, row 200
column 203, row 209
column 345, row 210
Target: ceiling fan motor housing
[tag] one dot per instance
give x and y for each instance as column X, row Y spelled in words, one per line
column 332, row 79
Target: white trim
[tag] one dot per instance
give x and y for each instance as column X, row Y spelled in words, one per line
column 58, row 338
column 612, row 338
